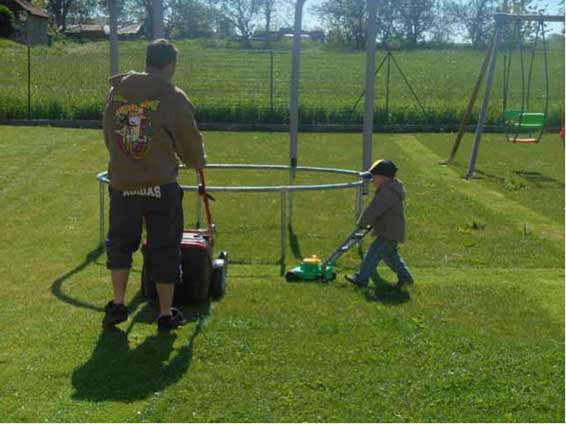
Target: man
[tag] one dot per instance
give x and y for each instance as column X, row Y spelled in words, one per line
column 148, row 125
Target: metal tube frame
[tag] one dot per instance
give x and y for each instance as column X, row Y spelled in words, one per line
column 102, row 236
column 369, row 108
column 113, row 9
column 294, row 101
column 157, row 22
column 285, row 191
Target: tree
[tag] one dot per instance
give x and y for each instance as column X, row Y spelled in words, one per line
column 243, row 14
column 521, row 7
column 190, row 19
column 7, row 21
column 444, row 25
column 268, row 8
column 416, row 18
column 83, row 11
column 60, row 9
column 387, row 20
column 346, row 21
column 476, row 18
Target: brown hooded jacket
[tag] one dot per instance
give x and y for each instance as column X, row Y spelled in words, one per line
column 148, row 126
column 385, row 212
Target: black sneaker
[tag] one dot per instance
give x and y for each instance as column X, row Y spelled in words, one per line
column 115, row 313
column 352, row 279
column 169, row 322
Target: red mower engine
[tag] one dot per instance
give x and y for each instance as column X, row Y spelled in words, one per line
column 201, row 277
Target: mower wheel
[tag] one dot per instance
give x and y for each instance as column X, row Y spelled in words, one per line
column 218, row 277
column 224, row 256
column 291, row 276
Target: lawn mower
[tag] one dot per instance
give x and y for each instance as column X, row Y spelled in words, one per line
column 312, row 268
column 201, row 277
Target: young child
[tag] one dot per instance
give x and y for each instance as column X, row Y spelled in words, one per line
column 385, row 215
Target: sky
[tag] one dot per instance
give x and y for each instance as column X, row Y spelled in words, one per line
column 310, row 20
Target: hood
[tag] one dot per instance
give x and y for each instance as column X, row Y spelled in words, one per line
column 136, row 87
column 396, row 187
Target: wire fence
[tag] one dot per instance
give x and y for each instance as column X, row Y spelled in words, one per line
column 230, row 85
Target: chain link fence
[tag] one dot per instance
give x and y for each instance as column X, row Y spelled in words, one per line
column 253, row 86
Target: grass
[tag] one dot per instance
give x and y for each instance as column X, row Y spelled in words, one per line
column 231, row 85
column 480, row 338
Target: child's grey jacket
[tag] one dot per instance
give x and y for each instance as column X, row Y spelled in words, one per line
column 385, row 212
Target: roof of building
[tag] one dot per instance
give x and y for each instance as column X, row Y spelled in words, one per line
column 26, row 5
column 82, row 28
column 131, row 29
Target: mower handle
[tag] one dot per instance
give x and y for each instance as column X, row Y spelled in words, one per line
column 205, row 196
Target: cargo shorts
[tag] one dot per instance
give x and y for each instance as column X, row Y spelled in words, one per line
column 162, row 209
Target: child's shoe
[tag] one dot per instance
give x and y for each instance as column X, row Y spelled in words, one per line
column 352, row 279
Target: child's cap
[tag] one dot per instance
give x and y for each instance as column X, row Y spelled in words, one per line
column 381, row 167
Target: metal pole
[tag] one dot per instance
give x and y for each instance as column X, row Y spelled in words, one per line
column 359, row 203
column 198, row 205
column 112, row 4
column 283, row 229
column 295, row 71
column 294, row 105
column 526, row 18
column 499, row 21
column 470, row 108
column 29, row 70
column 157, row 21
column 271, row 80
column 370, row 87
column 102, row 236
column 387, row 85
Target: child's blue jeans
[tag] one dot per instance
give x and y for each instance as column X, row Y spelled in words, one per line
column 387, row 251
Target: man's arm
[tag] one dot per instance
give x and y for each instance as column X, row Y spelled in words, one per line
column 188, row 139
column 107, row 119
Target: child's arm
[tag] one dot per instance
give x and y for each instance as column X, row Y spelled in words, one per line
column 381, row 202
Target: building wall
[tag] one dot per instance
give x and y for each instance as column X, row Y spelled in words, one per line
column 37, row 25
column 36, row 28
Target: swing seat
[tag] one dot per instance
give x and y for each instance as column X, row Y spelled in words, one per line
column 522, row 121
column 524, row 140
column 525, row 123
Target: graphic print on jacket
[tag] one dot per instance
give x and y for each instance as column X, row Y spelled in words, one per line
column 133, row 122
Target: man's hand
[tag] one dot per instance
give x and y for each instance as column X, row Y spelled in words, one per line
column 202, row 192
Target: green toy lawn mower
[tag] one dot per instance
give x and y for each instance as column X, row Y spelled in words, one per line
column 313, row 269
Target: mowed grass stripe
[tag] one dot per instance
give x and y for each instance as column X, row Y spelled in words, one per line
column 519, row 215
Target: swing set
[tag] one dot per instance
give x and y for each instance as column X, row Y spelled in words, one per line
column 522, row 124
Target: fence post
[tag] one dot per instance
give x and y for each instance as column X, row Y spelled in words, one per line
column 198, row 205
column 29, row 73
column 101, row 214
column 283, row 229
column 271, row 80
column 387, row 87
column 359, row 203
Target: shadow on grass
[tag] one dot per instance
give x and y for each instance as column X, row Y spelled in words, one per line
column 539, row 179
column 117, row 372
column 56, row 286
column 385, row 293
column 294, row 243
